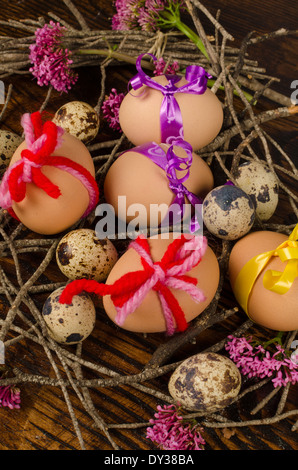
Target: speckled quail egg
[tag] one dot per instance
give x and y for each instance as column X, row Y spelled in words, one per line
column 79, row 119
column 261, row 184
column 205, row 382
column 228, row 212
column 9, row 142
column 69, row 324
column 80, row 254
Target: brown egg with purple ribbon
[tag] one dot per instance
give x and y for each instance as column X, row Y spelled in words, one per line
column 164, row 108
column 141, row 187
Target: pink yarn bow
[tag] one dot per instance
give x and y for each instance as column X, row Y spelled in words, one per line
column 168, row 276
column 41, row 141
column 128, row 292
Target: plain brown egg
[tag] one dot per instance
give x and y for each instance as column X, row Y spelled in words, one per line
column 141, row 181
column 269, row 309
column 139, row 115
column 148, row 318
column 45, row 215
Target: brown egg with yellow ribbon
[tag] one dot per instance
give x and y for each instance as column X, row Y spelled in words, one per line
column 263, row 270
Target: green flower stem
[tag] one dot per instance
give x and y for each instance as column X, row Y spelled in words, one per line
column 277, row 339
column 192, row 36
column 109, row 53
column 170, row 18
column 248, row 96
column 114, row 55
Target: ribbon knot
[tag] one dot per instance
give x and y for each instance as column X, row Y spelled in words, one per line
column 179, row 189
column 176, row 184
column 27, row 169
column 128, row 292
column 173, row 164
column 41, row 140
column 159, row 272
column 170, row 112
column 275, row 281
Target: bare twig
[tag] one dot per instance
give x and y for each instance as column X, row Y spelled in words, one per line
column 231, row 67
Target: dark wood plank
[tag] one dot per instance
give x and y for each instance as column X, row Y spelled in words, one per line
column 44, row 422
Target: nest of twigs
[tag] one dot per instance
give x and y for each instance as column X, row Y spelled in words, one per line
column 20, row 293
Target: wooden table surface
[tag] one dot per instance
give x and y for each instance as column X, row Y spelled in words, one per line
column 43, row 421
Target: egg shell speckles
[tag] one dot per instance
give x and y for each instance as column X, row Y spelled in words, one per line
column 9, row 142
column 228, row 212
column 261, row 184
column 69, row 324
column 78, row 119
column 80, row 254
column 205, row 382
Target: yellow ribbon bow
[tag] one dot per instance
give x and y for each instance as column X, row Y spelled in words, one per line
column 276, row 281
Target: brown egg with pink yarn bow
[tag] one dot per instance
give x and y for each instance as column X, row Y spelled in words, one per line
column 49, row 184
column 159, row 284
column 149, row 316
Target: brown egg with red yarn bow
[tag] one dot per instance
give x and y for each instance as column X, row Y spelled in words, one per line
column 46, row 215
column 149, row 316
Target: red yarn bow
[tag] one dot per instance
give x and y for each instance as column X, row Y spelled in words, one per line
column 34, row 161
column 42, row 140
column 128, row 292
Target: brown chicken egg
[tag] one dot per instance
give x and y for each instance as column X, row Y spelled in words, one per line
column 139, row 115
column 45, row 215
column 149, row 317
column 145, row 186
column 265, row 307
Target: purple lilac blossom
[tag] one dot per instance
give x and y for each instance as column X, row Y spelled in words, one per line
column 142, row 14
column 170, row 432
column 51, row 61
column 10, row 397
column 160, row 69
column 110, row 108
column 255, row 361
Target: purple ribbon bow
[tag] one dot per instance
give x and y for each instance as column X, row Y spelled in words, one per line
column 171, row 163
column 174, row 164
column 170, row 114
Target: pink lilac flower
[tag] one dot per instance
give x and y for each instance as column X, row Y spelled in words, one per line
column 51, row 61
column 254, row 360
column 152, row 15
column 110, row 108
column 10, row 397
column 127, row 13
column 147, row 15
column 171, row 432
column 161, row 68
